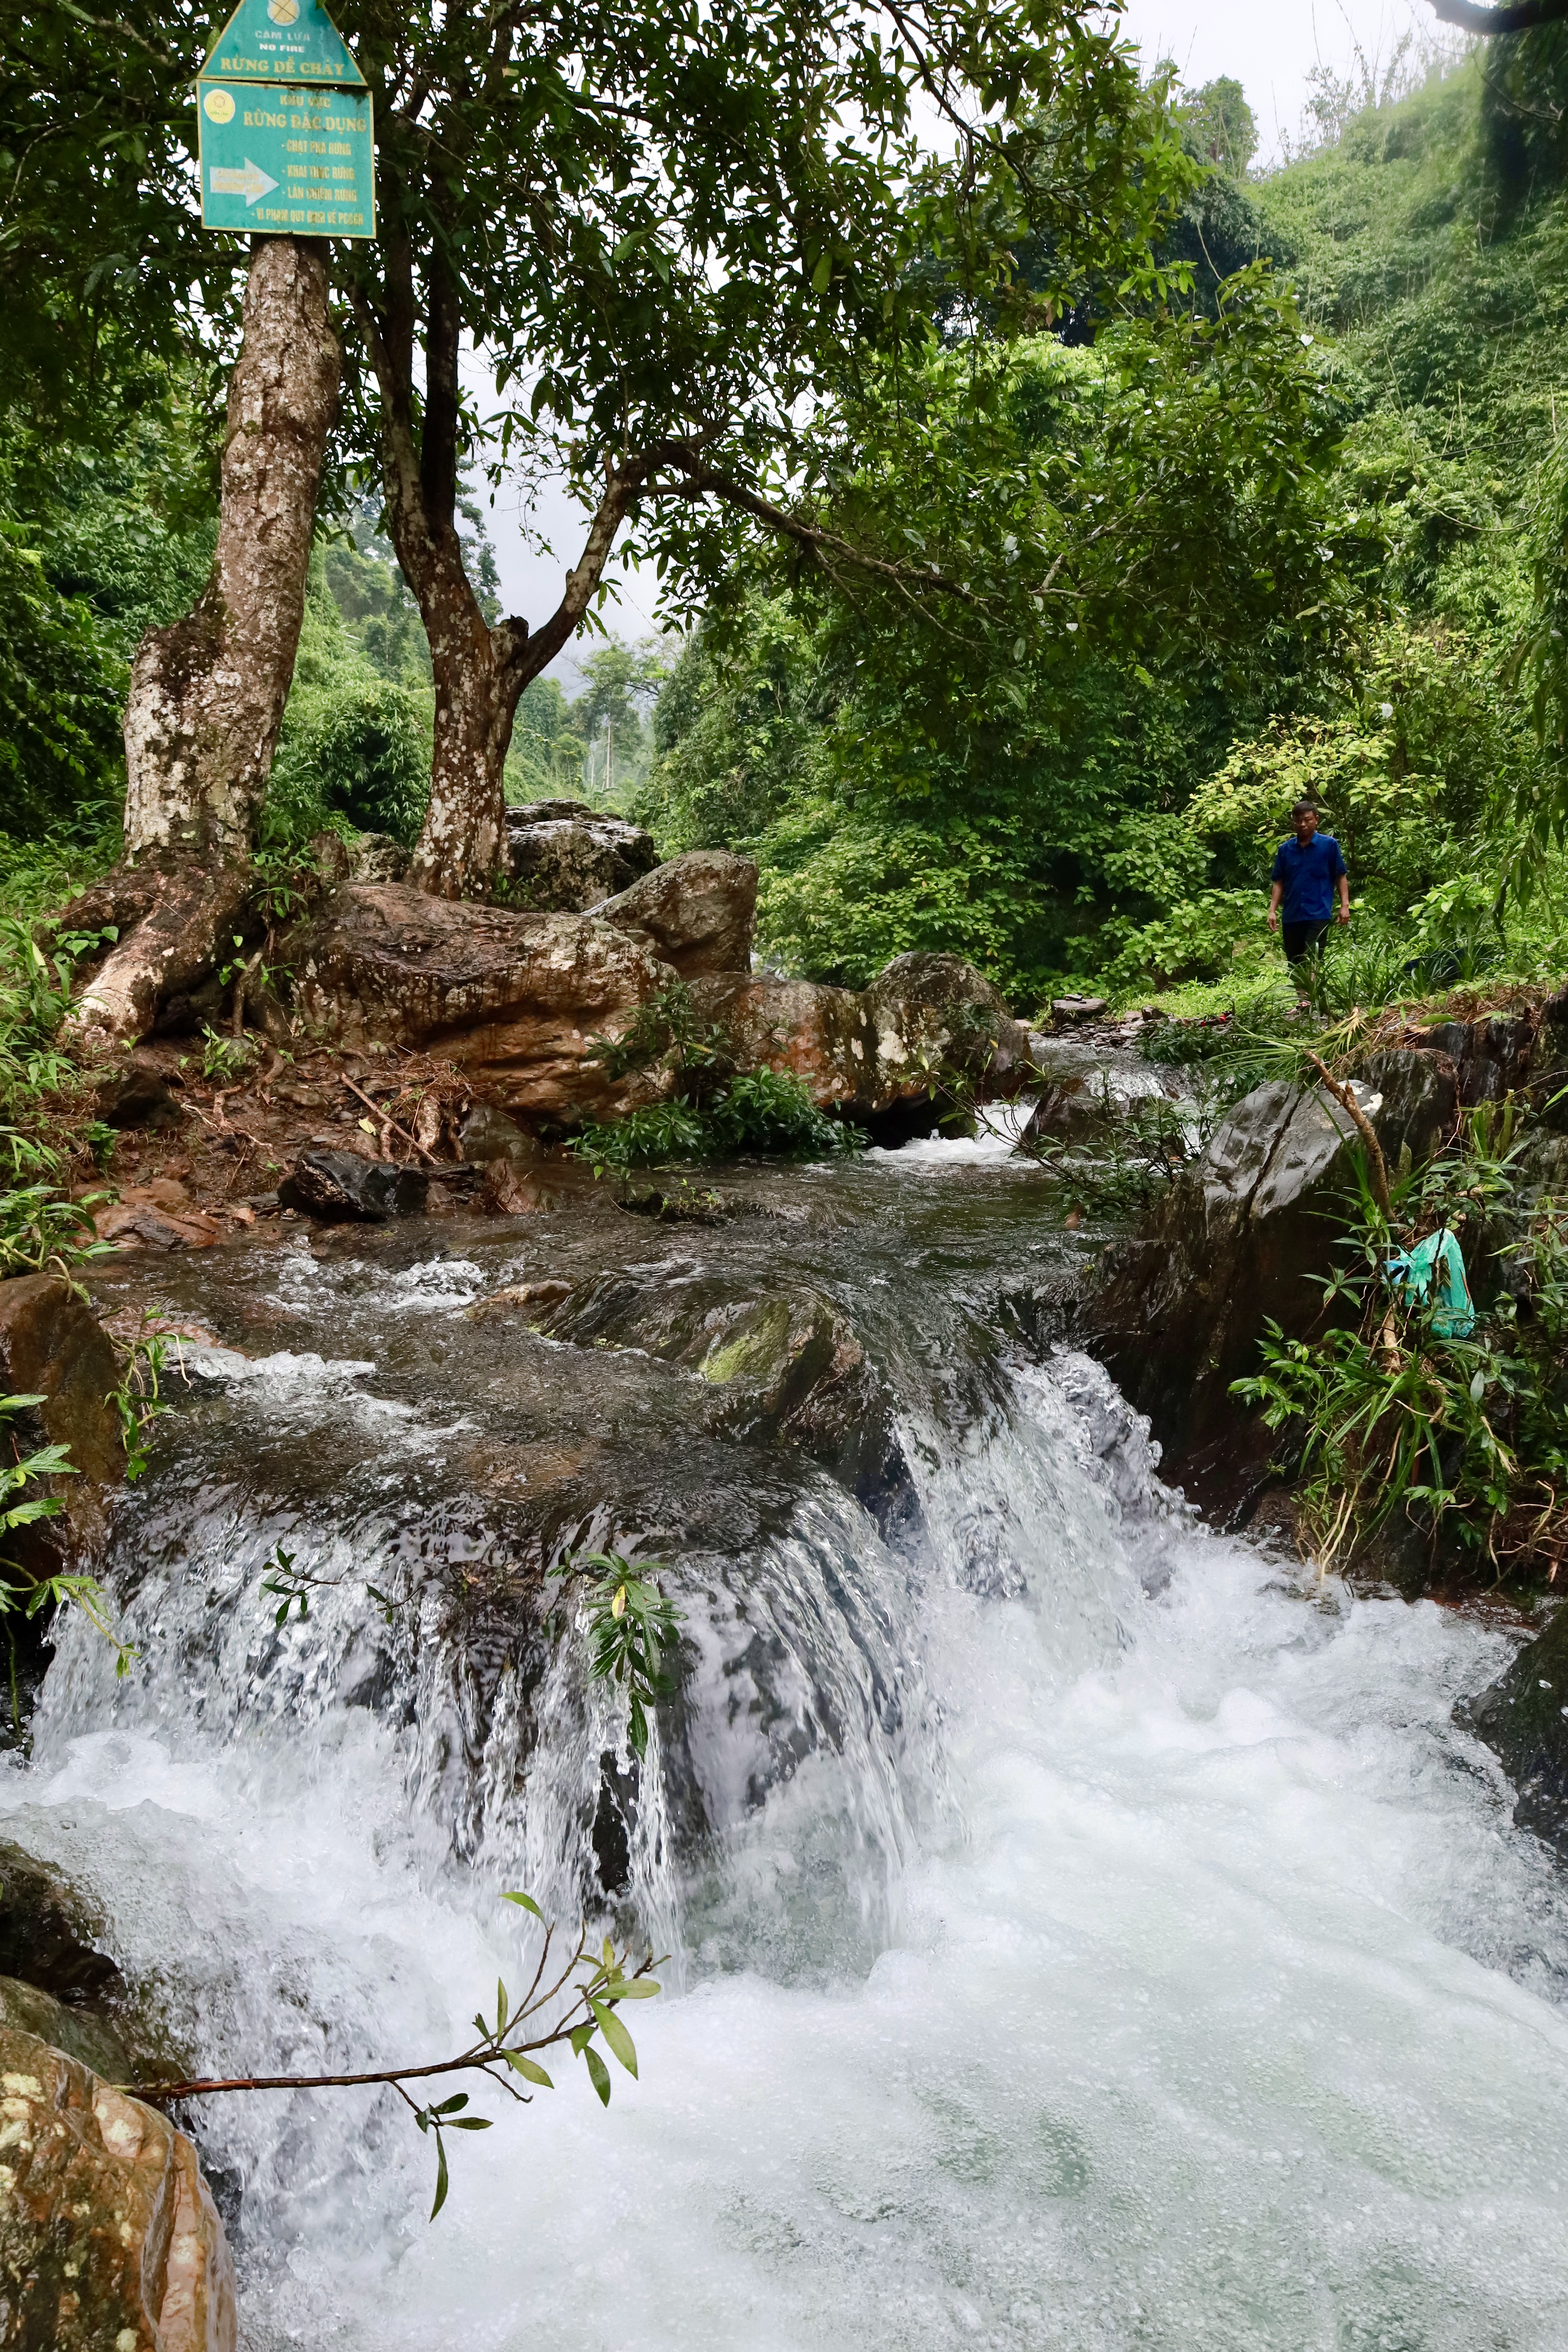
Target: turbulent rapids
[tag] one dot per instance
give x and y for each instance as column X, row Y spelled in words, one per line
column 1084, row 1929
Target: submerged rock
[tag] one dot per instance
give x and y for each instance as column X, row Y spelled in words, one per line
column 109, row 2235
column 1247, row 1234
column 563, row 856
column 785, row 1364
column 697, row 914
column 1523, row 1716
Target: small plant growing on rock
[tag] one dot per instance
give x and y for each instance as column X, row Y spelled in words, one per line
column 630, row 1627
column 22, row 1590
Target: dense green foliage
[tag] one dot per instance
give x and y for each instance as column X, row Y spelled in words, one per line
column 1456, row 1438
column 1107, row 816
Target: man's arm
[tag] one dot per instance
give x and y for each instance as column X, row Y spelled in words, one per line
column 1345, row 896
column 1276, row 892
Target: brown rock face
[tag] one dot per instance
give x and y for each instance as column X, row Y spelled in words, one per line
column 54, row 1346
column 1247, row 1232
column 699, row 913
column 867, row 1051
column 515, row 999
column 564, row 857
column 108, row 2237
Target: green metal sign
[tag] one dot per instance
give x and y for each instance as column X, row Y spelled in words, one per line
column 281, row 40
column 284, row 159
column 287, row 140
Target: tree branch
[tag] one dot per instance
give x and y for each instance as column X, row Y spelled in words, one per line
column 1377, row 1164
column 622, row 485
column 159, row 55
column 1511, row 17
column 700, row 481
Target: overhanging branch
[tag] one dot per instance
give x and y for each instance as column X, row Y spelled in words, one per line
column 1512, row 16
column 699, row 481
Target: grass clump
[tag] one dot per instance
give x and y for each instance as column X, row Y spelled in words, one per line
column 1455, row 1437
column 765, row 1111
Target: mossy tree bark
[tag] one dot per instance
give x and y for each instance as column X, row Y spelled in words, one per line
column 208, row 693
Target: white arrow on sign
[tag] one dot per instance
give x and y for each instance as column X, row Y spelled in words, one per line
column 225, row 181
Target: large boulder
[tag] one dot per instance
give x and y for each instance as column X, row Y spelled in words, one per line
column 513, row 1000
column 937, row 1009
column 1247, row 1234
column 870, row 1052
column 52, row 1345
column 1491, row 1055
column 109, row 2235
column 519, row 1002
column 564, row 857
column 1523, row 1716
column 697, row 914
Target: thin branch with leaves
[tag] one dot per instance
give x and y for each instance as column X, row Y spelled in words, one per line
column 505, row 2054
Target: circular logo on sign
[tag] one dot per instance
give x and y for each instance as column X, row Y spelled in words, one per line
column 217, row 105
column 283, row 12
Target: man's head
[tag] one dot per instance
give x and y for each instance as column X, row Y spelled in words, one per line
column 1304, row 817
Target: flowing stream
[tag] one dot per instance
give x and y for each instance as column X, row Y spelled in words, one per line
column 1085, row 1931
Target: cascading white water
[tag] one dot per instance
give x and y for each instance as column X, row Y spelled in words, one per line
column 1146, row 1960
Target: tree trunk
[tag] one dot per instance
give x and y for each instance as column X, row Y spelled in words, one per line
column 479, row 678
column 479, row 672
column 208, row 693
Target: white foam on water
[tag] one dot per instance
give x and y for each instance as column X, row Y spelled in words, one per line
column 1225, row 2010
column 997, row 1129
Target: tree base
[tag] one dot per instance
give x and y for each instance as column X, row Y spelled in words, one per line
column 176, row 919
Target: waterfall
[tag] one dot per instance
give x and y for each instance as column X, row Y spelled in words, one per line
column 1083, row 1928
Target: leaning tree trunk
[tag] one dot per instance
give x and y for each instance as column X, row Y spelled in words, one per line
column 208, row 693
column 479, row 674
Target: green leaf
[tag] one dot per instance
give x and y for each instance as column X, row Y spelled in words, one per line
column 822, row 276
column 530, row 2069
column 440, row 2176
column 616, row 2038
column 502, row 2006
column 526, row 1903
column 599, row 2075
column 632, row 1989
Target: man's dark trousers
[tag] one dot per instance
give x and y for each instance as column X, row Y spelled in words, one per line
column 1303, row 939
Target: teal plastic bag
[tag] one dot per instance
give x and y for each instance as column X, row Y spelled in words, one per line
column 1439, row 1255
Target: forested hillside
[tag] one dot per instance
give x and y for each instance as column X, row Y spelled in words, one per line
column 1055, row 816
column 1110, row 820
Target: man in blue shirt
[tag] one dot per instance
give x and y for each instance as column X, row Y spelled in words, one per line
column 1305, row 871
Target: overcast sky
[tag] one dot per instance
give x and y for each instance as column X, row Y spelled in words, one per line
column 1270, row 46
